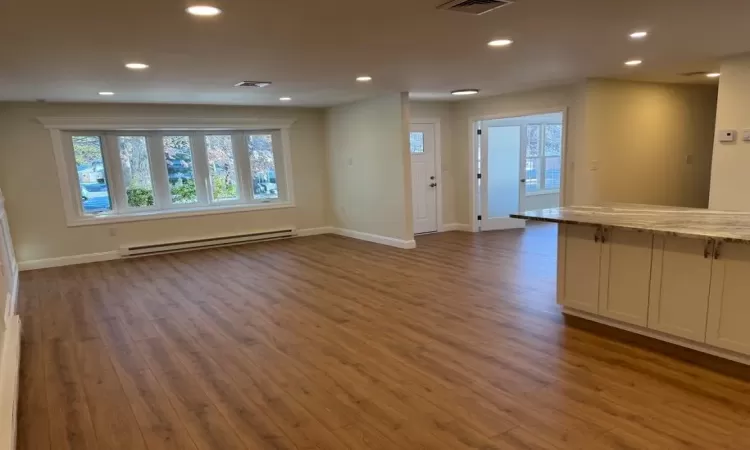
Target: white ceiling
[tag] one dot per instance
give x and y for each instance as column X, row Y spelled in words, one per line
column 313, row 49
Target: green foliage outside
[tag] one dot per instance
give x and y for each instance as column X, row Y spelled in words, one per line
column 184, row 191
column 223, row 188
column 139, row 197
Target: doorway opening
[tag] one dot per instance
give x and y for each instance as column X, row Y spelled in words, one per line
column 519, row 163
column 424, row 138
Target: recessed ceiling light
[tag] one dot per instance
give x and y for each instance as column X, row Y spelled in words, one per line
column 500, row 43
column 638, row 34
column 713, row 75
column 203, row 10
column 136, row 66
column 633, row 62
column 286, row 99
column 364, row 79
column 106, row 93
column 465, row 92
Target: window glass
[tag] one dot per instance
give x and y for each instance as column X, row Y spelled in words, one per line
column 532, row 174
column 221, row 167
column 416, row 142
column 552, row 140
column 532, row 140
column 92, row 177
column 262, row 166
column 136, row 171
column 552, row 173
column 179, row 159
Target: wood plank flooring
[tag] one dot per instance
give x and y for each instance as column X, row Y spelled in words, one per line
column 330, row 343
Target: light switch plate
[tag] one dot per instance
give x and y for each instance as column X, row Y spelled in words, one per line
column 746, row 135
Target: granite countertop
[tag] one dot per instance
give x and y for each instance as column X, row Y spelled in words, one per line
column 676, row 221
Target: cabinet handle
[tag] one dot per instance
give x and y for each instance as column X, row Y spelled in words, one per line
column 717, row 250
column 706, row 251
column 596, row 235
column 604, row 235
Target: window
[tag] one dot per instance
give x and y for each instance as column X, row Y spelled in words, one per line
column 416, row 142
column 111, row 176
column 543, row 157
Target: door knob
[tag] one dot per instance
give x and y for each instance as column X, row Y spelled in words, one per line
column 433, row 184
column 523, row 180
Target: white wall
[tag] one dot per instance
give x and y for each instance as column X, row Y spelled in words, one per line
column 652, row 142
column 370, row 167
column 28, row 177
column 729, row 172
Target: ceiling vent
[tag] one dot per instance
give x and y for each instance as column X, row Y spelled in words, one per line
column 694, row 74
column 475, row 7
column 255, row 84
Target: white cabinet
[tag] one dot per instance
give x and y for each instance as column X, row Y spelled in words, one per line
column 728, row 324
column 625, row 276
column 680, row 280
column 578, row 254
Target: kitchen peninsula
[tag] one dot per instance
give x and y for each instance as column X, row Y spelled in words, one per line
column 681, row 275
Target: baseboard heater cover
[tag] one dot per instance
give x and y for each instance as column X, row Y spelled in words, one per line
column 194, row 244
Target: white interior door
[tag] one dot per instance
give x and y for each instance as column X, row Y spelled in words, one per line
column 423, row 177
column 500, row 163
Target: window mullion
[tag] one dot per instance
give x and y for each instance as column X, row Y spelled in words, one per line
column 200, row 167
column 282, row 165
column 242, row 165
column 543, row 154
column 162, row 198
column 113, row 169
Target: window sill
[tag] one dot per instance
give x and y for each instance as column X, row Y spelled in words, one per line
column 182, row 212
column 534, row 194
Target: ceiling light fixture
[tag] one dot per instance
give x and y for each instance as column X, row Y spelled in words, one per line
column 713, row 75
column 203, row 10
column 106, row 93
column 638, row 34
column 633, row 62
column 465, row 92
column 286, row 99
column 136, row 66
column 364, row 79
column 500, row 43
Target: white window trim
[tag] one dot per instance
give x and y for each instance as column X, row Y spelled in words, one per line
column 542, row 156
column 57, row 126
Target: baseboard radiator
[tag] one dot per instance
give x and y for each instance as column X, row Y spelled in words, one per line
column 195, row 244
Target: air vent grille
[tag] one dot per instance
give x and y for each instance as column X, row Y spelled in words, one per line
column 694, row 74
column 255, row 84
column 475, row 7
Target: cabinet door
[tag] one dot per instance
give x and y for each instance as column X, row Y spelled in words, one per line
column 729, row 302
column 680, row 278
column 625, row 276
column 578, row 267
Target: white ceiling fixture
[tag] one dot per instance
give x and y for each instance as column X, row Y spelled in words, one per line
column 364, row 79
column 286, row 99
column 713, row 75
column 203, row 10
column 633, row 62
column 500, row 42
column 465, row 92
column 638, row 34
column 136, row 66
column 106, row 93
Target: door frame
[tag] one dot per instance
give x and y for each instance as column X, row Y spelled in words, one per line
column 474, row 156
column 435, row 122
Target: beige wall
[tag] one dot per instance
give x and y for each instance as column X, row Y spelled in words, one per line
column 442, row 112
column 369, row 167
column 729, row 178
column 28, row 178
column 652, row 142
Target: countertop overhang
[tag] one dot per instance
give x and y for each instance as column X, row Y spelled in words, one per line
column 685, row 222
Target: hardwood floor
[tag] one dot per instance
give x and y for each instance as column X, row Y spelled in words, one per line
column 330, row 343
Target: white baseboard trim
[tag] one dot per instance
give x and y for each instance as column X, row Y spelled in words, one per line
column 384, row 240
column 456, row 227
column 315, row 231
column 704, row 348
column 10, row 359
column 68, row 260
